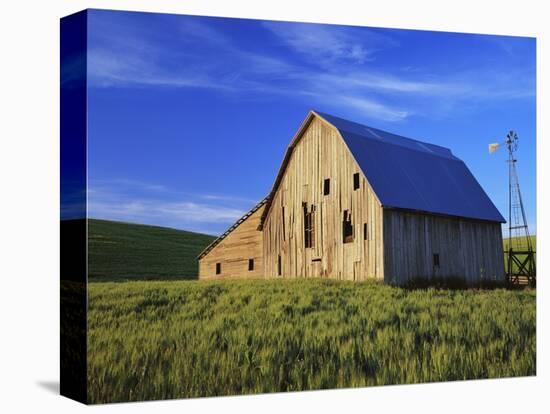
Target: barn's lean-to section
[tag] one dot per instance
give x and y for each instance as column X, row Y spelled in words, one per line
column 238, row 252
column 429, row 246
column 353, row 202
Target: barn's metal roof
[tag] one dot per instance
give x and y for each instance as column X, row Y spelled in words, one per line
column 413, row 175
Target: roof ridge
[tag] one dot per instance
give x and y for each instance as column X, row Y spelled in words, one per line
column 246, row 215
column 422, row 146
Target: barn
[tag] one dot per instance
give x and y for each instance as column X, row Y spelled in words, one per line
column 353, row 202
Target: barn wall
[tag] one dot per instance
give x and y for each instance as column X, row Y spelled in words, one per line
column 233, row 252
column 320, row 154
column 466, row 248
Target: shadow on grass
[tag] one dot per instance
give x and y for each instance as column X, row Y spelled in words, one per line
column 455, row 283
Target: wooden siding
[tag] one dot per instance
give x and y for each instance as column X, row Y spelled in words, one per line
column 234, row 251
column 467, row 248
column 318, row 154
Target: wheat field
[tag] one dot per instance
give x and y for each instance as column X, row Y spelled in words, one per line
column 179, row 339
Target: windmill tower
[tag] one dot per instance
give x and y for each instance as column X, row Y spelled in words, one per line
column 521, row 265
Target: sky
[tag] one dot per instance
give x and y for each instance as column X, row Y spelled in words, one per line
column 189, row 117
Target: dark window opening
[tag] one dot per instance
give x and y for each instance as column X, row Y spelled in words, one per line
column 279, row 270
column 326, row 186
column 356, row 181
column 365, row 231
column 218, row 268
column 318, row 259
column 250, row 264
column 284, row 230
column 436, row 259
column 309, row 226
column 347, row 227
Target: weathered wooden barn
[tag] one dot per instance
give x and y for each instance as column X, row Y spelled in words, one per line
column 353, row 202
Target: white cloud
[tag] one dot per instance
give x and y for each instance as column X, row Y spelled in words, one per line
column 334, row 70
column 383, row 82
column 329, row 43
column 201, row 213
column 229, row 198
column 129, row 183
column 129, row 200
column 108, row 69
column 193, row 30
column 374, row 109
column 182, row 212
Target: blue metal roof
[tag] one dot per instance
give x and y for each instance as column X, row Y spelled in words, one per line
column 414, row 175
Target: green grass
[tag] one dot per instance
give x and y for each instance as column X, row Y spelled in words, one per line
column 119, row 251
column 506, row 242
column 175, row 339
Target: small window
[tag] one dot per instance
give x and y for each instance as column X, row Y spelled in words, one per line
column 279, row 270
column 347, row 228
column 250, row 264
column 309, row 226
column 436, row 259
column 218, row 268
column 365, row 231
column 356, row 181
column 283, row 219
column 326, row 186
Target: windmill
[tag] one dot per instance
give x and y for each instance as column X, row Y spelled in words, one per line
column 521, row 266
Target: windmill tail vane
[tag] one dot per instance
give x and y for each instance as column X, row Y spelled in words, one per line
column 493, row 147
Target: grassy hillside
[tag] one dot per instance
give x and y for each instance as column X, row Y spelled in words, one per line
column 533, row 242
column 119, row 251
column 172, row 339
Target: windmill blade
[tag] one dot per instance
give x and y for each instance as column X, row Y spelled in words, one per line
column 493, row 147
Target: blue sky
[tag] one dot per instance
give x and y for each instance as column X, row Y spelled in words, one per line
column 189, row 117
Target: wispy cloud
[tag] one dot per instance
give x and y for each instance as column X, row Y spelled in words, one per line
column 130, row 183
column 327, row 44
column 142, row 202
column 227, row 198
column 179, row 213
column 219, row 63
column 194, row 30
column 390, row 83
column 236, row 69
column 374, row 108
column 111, row 69
column 334, row 67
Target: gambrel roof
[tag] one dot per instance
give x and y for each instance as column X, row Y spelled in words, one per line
column 406, row 173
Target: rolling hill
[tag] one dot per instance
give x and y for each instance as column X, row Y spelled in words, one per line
column 126, row 251
column 533, row 238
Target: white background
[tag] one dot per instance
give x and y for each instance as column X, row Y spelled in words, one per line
column 29, row 207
